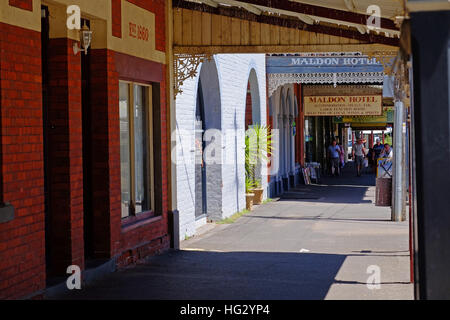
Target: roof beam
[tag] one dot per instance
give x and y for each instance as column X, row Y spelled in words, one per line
column 313, row 10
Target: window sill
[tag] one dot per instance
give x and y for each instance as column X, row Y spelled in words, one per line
column 140, row 220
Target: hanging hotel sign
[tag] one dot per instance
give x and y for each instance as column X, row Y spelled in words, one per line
column 293, row 64
column 354, row 69
column 384, row 119
column 368, row 105
column 342, row 90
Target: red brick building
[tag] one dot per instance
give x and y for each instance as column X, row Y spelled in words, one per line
column 84, row 139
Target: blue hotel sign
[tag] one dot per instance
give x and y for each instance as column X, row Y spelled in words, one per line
column 333, row 61
column 295, row 64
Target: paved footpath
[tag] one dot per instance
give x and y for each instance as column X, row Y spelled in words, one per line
column 317, row 242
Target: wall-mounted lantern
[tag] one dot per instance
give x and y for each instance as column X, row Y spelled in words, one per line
column 86, row 39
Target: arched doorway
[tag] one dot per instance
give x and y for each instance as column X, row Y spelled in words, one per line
column 253, row 114
column 252, row 105
column 200, row 165
column 278, row 169
column 291, row 113
column 208, row 122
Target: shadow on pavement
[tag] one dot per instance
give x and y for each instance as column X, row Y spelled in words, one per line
column 193, row 275
column 347, row 188
column 317, row 218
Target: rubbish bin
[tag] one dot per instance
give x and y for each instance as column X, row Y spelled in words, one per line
column 383, row 192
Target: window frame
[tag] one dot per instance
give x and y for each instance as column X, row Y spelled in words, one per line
column 148, row 104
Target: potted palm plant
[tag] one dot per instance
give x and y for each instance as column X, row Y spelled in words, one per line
column 249, row 195
column 258, row 191
column 258, row 148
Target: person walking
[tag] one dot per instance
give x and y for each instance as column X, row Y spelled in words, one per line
column 358, row 154
column 334, row 153
column 342, row 156
column 387, row 152
column 377, row 149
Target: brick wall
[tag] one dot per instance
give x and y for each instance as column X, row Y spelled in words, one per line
column 116, row 8
column 65, row 156
column 248, row 109
column 22, row 241
column 22, row 4
column 106, row 155
column 22, row 246
column 111, row 237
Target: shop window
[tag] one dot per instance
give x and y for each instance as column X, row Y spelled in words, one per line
column 136, row 149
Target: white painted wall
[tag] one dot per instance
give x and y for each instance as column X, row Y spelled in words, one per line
column 283, row 104
column 233, row 72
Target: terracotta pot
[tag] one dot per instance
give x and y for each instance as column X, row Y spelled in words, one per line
column 258, row 199
column 249, row 198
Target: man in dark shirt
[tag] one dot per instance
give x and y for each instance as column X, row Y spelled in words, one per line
column 377, row 148
column 334, row 153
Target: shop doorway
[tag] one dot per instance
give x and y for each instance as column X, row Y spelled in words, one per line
column 253, row 115
column 208, row 170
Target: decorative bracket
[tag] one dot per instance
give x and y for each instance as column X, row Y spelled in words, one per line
column 185, row 67
column 401, row 85
column 386, row 59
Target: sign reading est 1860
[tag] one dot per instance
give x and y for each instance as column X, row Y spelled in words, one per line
column 370, row 105
column 138, row 32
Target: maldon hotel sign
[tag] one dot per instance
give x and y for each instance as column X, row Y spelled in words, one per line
column 343, row 105
column 333, row 61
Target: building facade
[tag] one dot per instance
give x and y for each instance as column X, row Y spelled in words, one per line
column 227, row 96
column 286, row 117
column 304, row 135
column 84, row 138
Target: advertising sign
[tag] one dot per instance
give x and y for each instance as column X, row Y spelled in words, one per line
column 386, row 117
column 370, row 105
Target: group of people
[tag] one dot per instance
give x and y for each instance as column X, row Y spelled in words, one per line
column 360, row 155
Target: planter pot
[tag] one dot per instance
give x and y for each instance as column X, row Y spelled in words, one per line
column 258, row 199
column 249, row 199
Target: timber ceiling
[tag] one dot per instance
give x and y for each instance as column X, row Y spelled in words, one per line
column 283, row 25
